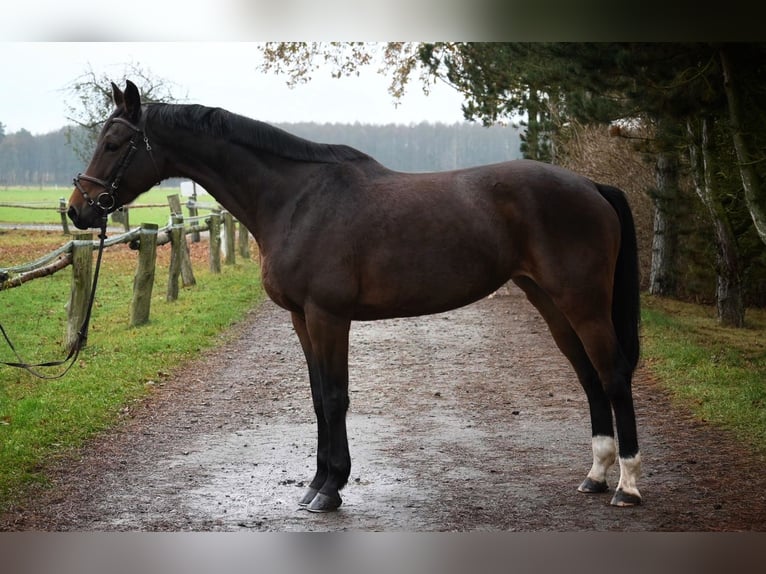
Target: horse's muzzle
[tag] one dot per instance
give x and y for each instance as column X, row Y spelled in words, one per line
column 80, row 222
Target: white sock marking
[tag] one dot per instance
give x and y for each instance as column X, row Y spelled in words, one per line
column 604, row 455
column 630, row 470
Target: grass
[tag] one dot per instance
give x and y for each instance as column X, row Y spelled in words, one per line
column 719, row 372
column 49, row 197
column 42, row 420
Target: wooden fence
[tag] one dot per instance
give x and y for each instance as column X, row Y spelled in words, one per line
column 122, row 215
column 145, row 239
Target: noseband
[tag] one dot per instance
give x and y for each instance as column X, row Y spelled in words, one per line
column 107, row 199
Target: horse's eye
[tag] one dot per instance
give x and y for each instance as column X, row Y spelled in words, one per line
column 111, row 146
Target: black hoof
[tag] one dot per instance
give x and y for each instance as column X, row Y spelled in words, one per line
column 590, row 486
column 308, row 497
column 324, row 503
column 622, row 498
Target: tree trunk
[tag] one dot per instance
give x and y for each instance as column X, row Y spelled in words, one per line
column 729, row 291
column 755, row 193
column 536, row 140
column 530, row 139
column 663, row 276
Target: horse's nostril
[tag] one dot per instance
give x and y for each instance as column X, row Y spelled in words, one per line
column 72, row 212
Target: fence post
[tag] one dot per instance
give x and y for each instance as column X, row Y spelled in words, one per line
column 174, row 270
column 126, row 215
column 143, row 282
column 243, row 238
column 64, row 219
column 187, row 274
column 214, row 225
column 175, row 204
column 82, row 271
column 187, row 271
column 121, row 216
column 191, row 205
column 229, row 237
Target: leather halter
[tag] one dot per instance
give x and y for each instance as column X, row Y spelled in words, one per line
column 106, row 201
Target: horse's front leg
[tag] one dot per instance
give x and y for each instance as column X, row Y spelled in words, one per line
column 325, row 343
column 299, row 323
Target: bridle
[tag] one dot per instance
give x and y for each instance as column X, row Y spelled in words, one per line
column 105, row 202
column 107, row 199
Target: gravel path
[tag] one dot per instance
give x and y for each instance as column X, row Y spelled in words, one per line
column 468, row 420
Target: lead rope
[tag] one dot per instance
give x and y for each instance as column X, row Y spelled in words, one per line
column 82, row 334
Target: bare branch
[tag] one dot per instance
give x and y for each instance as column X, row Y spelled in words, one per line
column 89, row 101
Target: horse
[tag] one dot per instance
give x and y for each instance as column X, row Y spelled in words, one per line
column 343, row 238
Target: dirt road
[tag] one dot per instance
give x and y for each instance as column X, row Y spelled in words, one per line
column 470, row 420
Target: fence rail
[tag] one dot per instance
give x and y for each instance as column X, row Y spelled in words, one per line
column 39, row 205
column 122, row 215
column 144, row 239
column 48, row 206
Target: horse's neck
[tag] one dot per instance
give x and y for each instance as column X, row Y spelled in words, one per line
column 241, row 181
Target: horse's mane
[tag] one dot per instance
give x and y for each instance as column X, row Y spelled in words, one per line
column 217, row 122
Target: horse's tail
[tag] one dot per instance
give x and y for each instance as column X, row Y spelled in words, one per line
column 626, row 303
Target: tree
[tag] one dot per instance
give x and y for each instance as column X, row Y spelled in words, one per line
column 673, row 85
column 707, row 182
column 488, row 75
column 501, row 81
column 663, row 277
column 91, row 103
column 743, row 71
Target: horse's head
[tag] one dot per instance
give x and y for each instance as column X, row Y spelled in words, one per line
column 123, row 165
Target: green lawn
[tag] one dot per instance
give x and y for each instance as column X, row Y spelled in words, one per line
column 49, row 198
column 719, row 372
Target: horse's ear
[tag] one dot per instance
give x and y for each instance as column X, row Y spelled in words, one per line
column 132, row 101
column 117, row 95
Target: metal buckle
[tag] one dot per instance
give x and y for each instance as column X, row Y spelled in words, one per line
column 107, row 204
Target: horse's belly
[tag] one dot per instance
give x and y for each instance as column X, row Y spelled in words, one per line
column 408, row 294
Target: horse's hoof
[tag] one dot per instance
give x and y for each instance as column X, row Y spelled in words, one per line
column 308, row 497
column 590, row 486
column 324, row 503
column 622, row 498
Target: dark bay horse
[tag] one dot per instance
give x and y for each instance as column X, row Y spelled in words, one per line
column 343, row 238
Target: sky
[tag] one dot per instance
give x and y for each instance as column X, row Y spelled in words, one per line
column 33, row 76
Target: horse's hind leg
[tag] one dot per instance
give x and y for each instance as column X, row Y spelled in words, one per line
column 602, row 431
column 599, row 340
